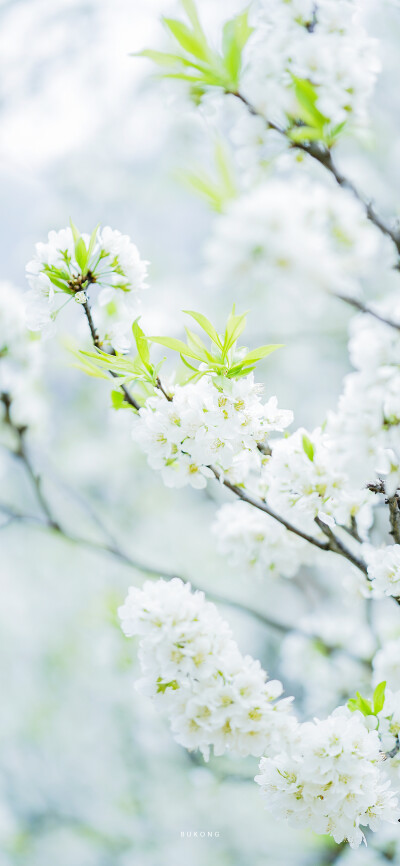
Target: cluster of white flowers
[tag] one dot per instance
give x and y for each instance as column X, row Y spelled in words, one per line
column 366, row 426
column 389, row 731
column 21, row 359
column 296, row 235
column 211, row 693
column 113, row 265
column 303, row 482
column 383, row 568
column 204, row 425
column 257, row 543
column 330, row 779
column 324, row 43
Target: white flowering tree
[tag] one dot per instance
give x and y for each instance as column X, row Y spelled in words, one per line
column 289, row 82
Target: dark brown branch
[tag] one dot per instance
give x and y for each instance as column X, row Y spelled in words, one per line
column 98, row 345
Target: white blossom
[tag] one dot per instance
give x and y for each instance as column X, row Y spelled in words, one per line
column 325, row 44
column 211, row 693
column 383, row 565
column 330, row 779
column 303, row 481
column 113, row 268
column 207, row 425
column 21, row 360
column 299, row 236
column 257, row 543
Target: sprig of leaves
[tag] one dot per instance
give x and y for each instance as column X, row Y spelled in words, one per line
column 199, row 64
column 223, row 358
column 314, row 125
column 138, row 370
column 217, row 190
column 366, row 707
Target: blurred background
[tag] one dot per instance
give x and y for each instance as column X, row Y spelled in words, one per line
column 89, row 774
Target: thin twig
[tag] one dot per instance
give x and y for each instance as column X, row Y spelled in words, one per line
column 98, row 345
column 358, row 305
column 114, row 550
column 393, row 752
column 337, row 546
column 21, row 453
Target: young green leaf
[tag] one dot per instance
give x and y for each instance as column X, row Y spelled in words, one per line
column 206, row 325
column 235, row 35
column 379, row 697
column 81, row 253
column 308, row 447
column 191, row 42
column 261, row 352
column 361, row 704
column 118, row 399
column 141, row 344
column 177, row 346
column 75, row 231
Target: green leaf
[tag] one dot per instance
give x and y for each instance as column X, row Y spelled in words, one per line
column 196, row 344
column 176, row 345
column 308, row 447
column 261, row 352
column 75, row 231
column 81, row 253
column 225, row 170
column 191, row 13
column 305, row 133
column 307, row 96
column 188, row 40
column 167, row 60
column 361, row 704
column 141, row 344
column 235, row 35
column 379, row 697
column 117, row 399
column 206, row 325
column 92, row 242
column 234, row 328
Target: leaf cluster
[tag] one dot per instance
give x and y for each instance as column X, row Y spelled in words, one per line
column 222, row 358
column 366, row 707
column 197, row 62
column 311, row 125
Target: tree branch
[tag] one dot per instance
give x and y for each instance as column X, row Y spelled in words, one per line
column 323, row 155
column 98, row 345
column 358, row 305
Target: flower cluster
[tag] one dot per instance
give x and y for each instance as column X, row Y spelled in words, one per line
column 204, row 424
column 303, row 481
column 389, row 731
column 323, row 43
column 69, row 263
column 296, row 236
column 366, row 425
column 330, row 779
column 20, row 360
column 257, row 543
column 384, row 568
column 211, row 693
